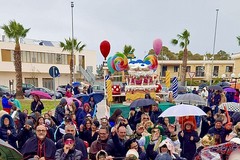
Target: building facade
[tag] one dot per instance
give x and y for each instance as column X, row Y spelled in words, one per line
column 38, row 57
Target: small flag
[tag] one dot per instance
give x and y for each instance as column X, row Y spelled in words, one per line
column 167, row 79
column 174, row 87
column 107, row 77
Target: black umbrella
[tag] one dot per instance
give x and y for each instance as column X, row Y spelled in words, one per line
column 142, row 102
column 201, row 86
column 223, row 84
column 215, row 87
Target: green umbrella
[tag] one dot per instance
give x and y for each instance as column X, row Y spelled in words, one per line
column 7, row 152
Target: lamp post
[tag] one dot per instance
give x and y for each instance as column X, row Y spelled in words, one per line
column 72, row 54
column 214, row 43
column 233, row 76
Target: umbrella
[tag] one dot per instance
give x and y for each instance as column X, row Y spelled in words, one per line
column 189, row 98
column 142, row 102
column 215, row 87
column 71, row 100
column 231, row 106
column 41, row 94
column 76, row 84
column 232, row 90
column 201, row 86
column 222, row 84
column 98, row 97
column 182, row 110
column 225, row 149
column 7, row 152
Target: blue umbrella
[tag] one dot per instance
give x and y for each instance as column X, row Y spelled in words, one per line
column 98, row 97
column 76, row 84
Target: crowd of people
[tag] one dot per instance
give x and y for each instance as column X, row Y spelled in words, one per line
column 73, row 132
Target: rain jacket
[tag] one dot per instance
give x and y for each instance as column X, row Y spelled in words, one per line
column 11, row 139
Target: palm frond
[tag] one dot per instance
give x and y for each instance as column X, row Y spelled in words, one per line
column 238, row 38
column 174, row 41
column 182, row 44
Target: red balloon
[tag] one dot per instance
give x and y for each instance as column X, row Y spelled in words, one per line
column 105, row 48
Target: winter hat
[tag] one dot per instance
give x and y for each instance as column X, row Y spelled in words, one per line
column 68, row 136
column 63, row 101
column 163, row 156
column 29, row 122
column 132, row 152
column 33, row 116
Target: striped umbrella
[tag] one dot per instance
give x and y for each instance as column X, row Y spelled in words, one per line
column 174, row 87
column 231, row 106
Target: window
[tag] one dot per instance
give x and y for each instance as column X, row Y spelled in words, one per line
column 33, row 81
column 81, row 61
column 6, row 55
column 215, row 70
column 48, row 83
column 188, row 69
column 175, row 68
column 164, row 69
column 200, row 71
column 229, row 68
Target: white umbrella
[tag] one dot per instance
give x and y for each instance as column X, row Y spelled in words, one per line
column 190, row 98
column 231, row 106
column 182, row 110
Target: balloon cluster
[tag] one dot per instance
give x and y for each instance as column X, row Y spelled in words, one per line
column 118, row 62
column 151, row 61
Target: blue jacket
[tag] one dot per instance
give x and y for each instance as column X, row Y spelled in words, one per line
column 5, row 103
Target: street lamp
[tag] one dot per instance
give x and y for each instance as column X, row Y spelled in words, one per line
column 72, row 54
column 214, row 43
column 233, row 76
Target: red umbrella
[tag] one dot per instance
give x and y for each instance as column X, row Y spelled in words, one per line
column 40, row 94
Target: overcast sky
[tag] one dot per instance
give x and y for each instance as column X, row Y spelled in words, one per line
column 131, row 22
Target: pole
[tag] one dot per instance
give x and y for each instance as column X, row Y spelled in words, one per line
column 214, row 43
column 72, row 54
column 54, row 76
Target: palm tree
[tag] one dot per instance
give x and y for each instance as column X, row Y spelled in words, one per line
column 128, row 51
column 67, row 46
column 238, row 38
column 16, row 31
column 183, row 40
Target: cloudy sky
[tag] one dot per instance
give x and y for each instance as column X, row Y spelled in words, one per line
column 131, row 22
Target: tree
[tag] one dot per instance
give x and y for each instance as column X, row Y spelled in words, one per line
column 222, row 55
column 128, row 51
column 183, row 40
column 167, row 54
column 67, row 46
column 100, row 70
column 16, row 31
column 238, row 38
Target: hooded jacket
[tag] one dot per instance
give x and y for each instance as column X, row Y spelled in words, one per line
column 11, row 139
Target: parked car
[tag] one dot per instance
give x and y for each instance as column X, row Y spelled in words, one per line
column 43, row 89
column 3, row 90
column 62, row 89
column 26, row 86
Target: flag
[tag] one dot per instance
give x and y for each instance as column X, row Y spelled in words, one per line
column 167, row 79
column 174, row 87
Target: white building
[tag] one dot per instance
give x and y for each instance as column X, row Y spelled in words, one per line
column 38, row 57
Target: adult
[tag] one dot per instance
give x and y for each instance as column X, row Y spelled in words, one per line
column 68, row 152
column 39, row 147
column 60, row 111
column 188, row 138
column 81, row 117
column 79, row 144
column 6, row 103
column 155, row 113
column 76, row 90
column 194, row 91
column 8, row 131
column 100, row 143
column 207, row 121
column 218, row 131
column 116, row 145
column 114, row 117
column 90, row 89
column 37, row 105
column 133, row 144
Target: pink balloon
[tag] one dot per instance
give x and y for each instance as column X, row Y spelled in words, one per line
column 157, row 46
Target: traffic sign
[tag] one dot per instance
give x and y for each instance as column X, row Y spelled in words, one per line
column 191, row 74
column 54, row 72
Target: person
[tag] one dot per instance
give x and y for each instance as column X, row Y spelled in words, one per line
column 60, row 111
column 194, row 91
column 84, row 91
column 114, row 117
column 68, row 152
column 155, row 114
column 204, row 94
column 218, row 131
column 207, row 121
column 79, row 144
column 16, row 102
column 6, row 103
column 25, row 133
column 76, row 90
column 81, row 117
column 100, row 143
column 116, row 145
column 188, row 138
column 37, row 105
column 133, row 144
column 39, row 147
column 90, row 89
column 68, row 87
column 7, row 130
column 216, row 101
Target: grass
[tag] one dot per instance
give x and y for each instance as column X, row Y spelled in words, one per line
column 26, row 104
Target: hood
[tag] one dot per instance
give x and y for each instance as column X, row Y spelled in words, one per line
column 10, row 120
